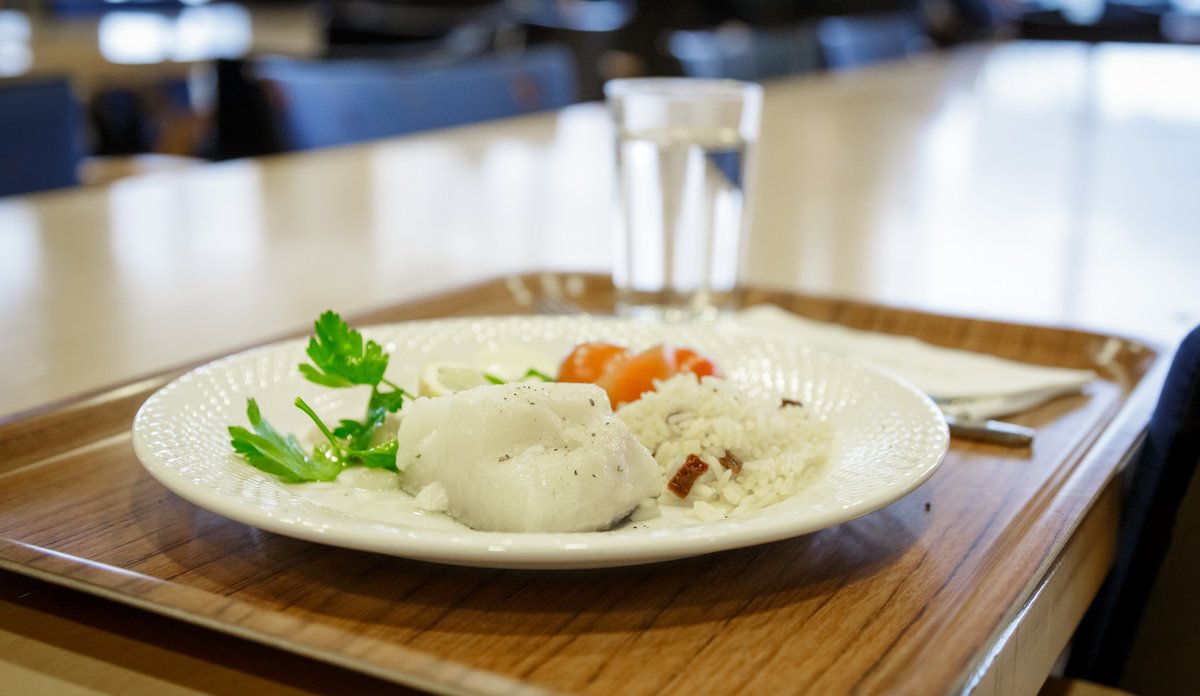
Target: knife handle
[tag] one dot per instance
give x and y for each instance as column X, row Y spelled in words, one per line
column 997, row 432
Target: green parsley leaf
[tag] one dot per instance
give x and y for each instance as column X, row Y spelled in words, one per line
column 340, row 357
column 538, row 374
column 531, row 372
column 283, row 457
column 360, row 435
column 390, row 401
column 348, row 429
column 382, row 456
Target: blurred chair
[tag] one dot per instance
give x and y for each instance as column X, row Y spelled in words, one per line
column 856, row 40
column 85, row 8
column 242, row 113
column 410, row 26
column 1158, row 480
column 321, row 103
column 118, row 120
column 950, row 22
column 741, row 52
column 589, row 28
column 1181, row 26
column 1124, row 20
column 41, row 136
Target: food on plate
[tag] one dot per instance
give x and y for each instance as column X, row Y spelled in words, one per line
column 525, row 457
column 340, row 358
column 617, row 429
column 588, row 362
column 625, row 375
column 721, row 450
column 281, row 456
column 443, row 378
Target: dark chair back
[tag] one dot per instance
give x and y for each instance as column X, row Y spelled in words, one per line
column 1158, row 479
column 742, row 52
column 858, row 40
column 322, row 103
column 41, row 136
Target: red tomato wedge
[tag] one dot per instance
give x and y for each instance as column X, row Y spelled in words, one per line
column 635, row 376
column 588, row 362
column 688, row 360
column 626, row 376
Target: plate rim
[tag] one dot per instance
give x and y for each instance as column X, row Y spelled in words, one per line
column 547, row 551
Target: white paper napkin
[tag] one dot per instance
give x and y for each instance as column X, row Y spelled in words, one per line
column 968, row 385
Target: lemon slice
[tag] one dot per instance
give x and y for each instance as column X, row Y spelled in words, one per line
column 442, row 378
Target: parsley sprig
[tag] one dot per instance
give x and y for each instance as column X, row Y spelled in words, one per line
column 279, row 455
column 340, row 358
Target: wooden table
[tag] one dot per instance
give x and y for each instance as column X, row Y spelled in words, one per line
column 1037, row 183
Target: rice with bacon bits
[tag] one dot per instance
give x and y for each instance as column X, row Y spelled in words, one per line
column 723, row 451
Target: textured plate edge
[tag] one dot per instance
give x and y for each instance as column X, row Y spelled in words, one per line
column 553, row 556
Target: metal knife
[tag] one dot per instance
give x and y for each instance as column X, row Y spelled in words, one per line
column 997, row 432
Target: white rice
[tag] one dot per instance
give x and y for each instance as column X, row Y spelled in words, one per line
column 777, row 445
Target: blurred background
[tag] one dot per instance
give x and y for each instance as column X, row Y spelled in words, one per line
column 91, row 90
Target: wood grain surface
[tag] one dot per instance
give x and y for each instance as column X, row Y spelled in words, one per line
column 909, row 599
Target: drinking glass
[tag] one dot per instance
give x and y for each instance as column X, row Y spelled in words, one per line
column 683, row 154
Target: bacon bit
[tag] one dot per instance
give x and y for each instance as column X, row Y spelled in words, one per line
column 791, row 402
column 683, row 480
column 731, row 461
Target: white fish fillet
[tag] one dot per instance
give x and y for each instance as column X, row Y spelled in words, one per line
column 524, row 457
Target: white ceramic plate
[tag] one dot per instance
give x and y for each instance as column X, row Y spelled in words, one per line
column 888, row 439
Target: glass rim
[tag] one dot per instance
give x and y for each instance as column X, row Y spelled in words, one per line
column 682, row 88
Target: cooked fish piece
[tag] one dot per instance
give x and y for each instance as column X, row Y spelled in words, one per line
column 524, row 457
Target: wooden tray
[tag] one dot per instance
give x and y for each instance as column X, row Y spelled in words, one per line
column 908, row 599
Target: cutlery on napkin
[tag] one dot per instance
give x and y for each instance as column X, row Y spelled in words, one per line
column 971, row 388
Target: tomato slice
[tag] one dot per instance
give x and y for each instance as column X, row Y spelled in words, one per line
column 688, row 360
column 588, row 362
column 626, row 376
column 628, row 380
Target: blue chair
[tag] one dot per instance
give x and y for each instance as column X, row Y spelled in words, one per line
column 89, row 8
column 1158, row 480
column 856, row 40
column 741, row 52
column 322, row 103
column 41, row 136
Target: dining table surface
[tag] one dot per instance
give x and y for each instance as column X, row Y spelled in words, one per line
column 1050, row 186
